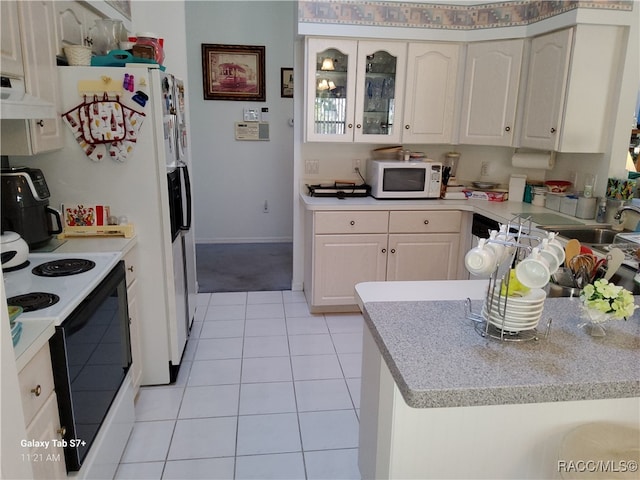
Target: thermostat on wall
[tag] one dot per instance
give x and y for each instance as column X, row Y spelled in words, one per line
column 251, row 115
column 252, row 130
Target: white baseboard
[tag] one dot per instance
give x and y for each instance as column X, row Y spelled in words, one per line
column 245, row 240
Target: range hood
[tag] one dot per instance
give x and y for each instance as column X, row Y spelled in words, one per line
column 16, row 104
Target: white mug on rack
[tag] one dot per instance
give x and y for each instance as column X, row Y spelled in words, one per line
column 551, row 254
column 553, row 244
column 533, row 271
column 480, row 260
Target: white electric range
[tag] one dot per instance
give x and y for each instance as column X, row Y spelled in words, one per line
column 70, row 289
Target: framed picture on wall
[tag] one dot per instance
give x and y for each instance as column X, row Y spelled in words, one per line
column 286, row 82
column 233, row 72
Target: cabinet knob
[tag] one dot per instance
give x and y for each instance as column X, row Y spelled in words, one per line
column 352, row 222
column 384, row 250
column 350, row 125
column 40, row 123
column 553, row 130
column 130, row 268
column 426, row 222
column 407, row 127
column 393, row 250
column 507, row 129
column 358, row 126
column 88, row 41
column 62, row 431
column 37, row 391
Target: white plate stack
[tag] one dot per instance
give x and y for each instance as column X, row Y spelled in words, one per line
column 515, row 313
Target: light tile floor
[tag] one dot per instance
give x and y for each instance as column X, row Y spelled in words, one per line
column 266, row 390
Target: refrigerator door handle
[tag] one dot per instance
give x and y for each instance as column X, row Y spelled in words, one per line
column 187, row 187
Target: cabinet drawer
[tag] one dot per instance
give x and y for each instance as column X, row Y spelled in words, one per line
column 351, row 222
column 36, row 383
column 425, row 221
column 130, row 267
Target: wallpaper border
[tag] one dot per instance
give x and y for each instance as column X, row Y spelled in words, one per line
column 442, row 15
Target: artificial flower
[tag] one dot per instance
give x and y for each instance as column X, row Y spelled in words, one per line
column 608, row 298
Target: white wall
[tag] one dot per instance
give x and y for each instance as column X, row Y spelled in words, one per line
column 233, row 179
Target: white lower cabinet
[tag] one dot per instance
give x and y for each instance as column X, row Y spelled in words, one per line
column 134, row 330
column 346, row 248
column 432, row 256
column 342, row 261
column 42, row 421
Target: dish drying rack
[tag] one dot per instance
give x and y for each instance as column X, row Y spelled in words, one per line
column 520, row 228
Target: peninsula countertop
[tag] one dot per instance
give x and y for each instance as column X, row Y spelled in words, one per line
column 437, row 359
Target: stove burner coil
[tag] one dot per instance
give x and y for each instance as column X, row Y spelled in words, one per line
column 33, row 301
column 64, row 267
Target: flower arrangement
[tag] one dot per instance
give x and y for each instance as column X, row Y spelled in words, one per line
column 608, row 298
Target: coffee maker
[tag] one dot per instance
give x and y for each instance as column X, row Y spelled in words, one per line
column 25, row 206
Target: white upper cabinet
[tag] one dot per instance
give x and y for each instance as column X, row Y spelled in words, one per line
column 10, row 51
column 546, row 84
column 432, row 74
column 37, row 38
column 572, row 84
column 354, row 90
column 331, row 86
column 379, row 89
column 491, row 80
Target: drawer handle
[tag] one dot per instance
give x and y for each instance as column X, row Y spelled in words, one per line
column 407, row 127
column 40, row 123
column 62, row 431
column 393, row 250
column 352, row 222
column 426, row 222
column 507, row 129
column 130, row 268
column 37, row 391
column 384, row 250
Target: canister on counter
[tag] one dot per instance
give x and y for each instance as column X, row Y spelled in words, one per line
column 568, row 206
column 586, row 208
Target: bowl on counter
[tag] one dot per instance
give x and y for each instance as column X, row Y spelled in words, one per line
column 557, row 186
column 485, row 185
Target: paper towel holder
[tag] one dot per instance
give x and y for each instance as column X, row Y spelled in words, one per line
column 546, row 158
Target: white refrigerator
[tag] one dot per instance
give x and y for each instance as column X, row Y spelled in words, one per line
column 130, row 174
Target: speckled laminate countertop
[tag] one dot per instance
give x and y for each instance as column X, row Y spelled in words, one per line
column 437, row 358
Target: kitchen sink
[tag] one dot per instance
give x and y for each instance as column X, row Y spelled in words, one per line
column 585, row 234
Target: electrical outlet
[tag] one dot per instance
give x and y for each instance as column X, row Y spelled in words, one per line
column 357, row 164
column 311, row 167
column 484, row 169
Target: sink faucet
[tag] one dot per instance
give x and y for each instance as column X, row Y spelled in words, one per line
column 633, row 208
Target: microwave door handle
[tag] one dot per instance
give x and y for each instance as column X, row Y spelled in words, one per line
column 187, row 188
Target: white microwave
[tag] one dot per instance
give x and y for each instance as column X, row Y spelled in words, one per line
column 399, row 179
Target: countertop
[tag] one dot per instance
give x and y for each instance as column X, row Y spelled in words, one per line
column 437, row 358
column 499, row 211
column 35, row 333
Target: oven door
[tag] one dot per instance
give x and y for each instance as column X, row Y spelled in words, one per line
column 91, row 354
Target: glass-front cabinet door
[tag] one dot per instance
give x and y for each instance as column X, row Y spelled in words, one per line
column 331, row 89
column 379, row 89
